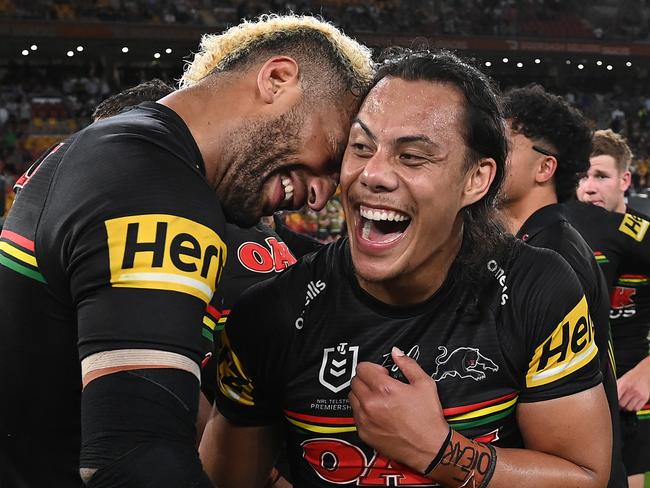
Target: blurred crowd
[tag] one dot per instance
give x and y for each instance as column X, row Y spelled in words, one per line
column 599, row 19
column 39, row 106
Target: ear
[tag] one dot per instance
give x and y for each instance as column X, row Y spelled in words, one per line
column 277, row 75
column 626, row 181
column 478, row 180
column 546, row 169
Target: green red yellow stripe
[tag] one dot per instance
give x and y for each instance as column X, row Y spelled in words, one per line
column 633, row 280
column 460, row 417
column 644, row 413
column 600, row 257
column 17, row 253
column 214, row 320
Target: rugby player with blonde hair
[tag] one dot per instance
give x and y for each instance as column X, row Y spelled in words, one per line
column 116, row 244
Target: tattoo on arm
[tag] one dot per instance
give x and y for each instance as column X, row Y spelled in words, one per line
column 465, row 463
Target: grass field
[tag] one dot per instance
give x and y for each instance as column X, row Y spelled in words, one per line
column 647, row 480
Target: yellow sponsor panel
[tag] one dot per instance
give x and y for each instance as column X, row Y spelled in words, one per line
column 165, row 252
column 570, row 346
column 634, row 226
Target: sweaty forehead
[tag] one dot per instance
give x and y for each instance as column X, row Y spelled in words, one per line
column 396, row 104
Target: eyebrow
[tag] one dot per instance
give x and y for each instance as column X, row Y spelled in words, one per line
column 400, row 140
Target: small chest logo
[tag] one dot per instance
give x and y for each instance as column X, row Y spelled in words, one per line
column 464, row 362
column 338, row 366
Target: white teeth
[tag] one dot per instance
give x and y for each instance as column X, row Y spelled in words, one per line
column 365, row 231
column 391, row 215
column 288, row 188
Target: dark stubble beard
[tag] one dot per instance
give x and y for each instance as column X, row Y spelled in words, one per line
column 257, row 150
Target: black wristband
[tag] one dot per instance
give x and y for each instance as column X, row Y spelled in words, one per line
column 491, row 467
column 441, row 452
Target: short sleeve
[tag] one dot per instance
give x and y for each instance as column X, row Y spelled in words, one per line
column 138, row 233
column 561, row 352
column 252, row 360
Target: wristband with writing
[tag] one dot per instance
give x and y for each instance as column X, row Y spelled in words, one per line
column 463, row 462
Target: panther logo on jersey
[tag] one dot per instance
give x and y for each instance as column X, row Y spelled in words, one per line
column 462, row 362
column 338, row 367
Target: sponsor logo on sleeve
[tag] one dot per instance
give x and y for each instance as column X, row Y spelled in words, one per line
column 634, row 226
column 165, row 252
column 569, row 347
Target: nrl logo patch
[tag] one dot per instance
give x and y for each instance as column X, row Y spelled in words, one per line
column 464, row 362
column 338, row 367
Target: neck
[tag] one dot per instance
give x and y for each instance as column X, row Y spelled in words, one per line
column 208, row 109
column 424, row 281
column 621, row 207
column 516, row 213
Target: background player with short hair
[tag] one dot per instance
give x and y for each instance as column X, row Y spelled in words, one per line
column 116, row 244
column 550, row 144
column 604, row 185
column 482, row 320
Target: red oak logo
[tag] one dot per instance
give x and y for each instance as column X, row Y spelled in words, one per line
column 338, row 461
column 275, row 256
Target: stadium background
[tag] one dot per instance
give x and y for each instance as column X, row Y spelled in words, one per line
column 60, row 58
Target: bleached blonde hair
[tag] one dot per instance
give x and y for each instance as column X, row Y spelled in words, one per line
column 306, row 37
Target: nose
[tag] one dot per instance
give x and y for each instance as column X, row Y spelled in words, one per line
column 587, row 185
column 378, row 176
column 320, row 190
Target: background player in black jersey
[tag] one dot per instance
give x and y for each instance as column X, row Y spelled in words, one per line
column 604, row 185
column 115, row 242
column 550, row 145
column 427, row 270
column 147, row 91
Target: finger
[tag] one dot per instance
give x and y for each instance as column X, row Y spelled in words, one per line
column 621, row 389
column 411, row 369
column 375, row 377
column 626, row 402
column 354, row 402
column 638, row 405
column 360, row 388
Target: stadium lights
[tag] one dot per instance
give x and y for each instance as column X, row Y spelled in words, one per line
column 33, row 47
column 80, row 48
column 505, row 60
column 609, row 67
column 488, row 64
column 537, row 60
column 156, row 55
column 628, row 64
column 168, row 50
column 581, row 66
column 70, row 53
column 568, row 61
column 125, row 49
column 599, row 62
column 25, row 52
column 520, row 65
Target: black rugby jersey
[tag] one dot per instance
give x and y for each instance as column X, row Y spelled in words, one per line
column 621, row 243
column 113, row 242
column 256, row 254
column 523, row 337
column 549, row 228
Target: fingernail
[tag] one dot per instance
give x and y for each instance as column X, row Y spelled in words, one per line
column 398, row 352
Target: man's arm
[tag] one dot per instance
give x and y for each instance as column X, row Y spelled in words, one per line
column 391, row 418
column 634, row 387
column 238, row 457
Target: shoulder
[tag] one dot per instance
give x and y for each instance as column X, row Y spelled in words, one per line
column 292, row 288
